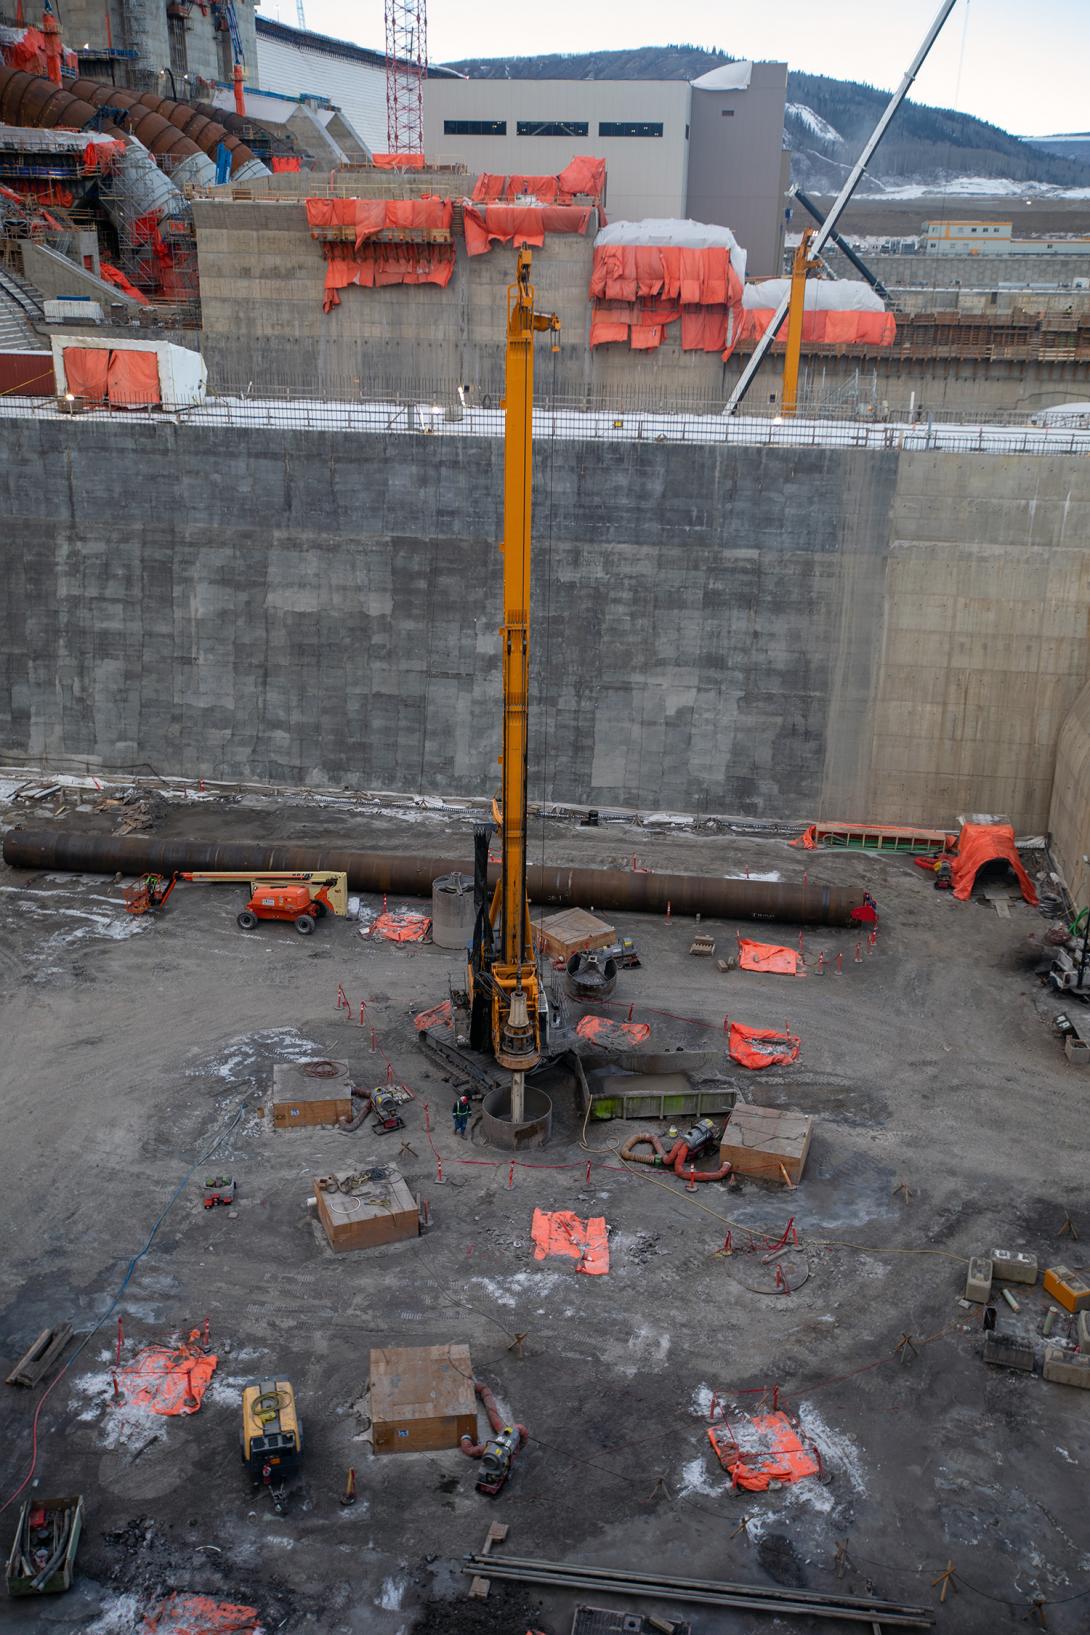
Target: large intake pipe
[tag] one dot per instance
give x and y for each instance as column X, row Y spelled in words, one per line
column 410, row 876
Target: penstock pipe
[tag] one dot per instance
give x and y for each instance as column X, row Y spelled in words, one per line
column 407, row 875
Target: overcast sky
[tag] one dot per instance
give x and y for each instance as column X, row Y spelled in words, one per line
column 1025, row 64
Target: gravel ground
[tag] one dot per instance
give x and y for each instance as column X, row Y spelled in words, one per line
column 132, row 1046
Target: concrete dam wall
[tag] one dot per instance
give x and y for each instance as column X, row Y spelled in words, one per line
column 773, row 632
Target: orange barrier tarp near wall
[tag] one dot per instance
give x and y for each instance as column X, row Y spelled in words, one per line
column 398, row 161
column 168, row 1379
column 370, row 216
column 637, row 290
column 584, row 176
column 778, row 1454
column 825, row 328
column 563, row 1233
column 124, row 378
column 85, row 371
column 759, row 1047
column 376, row 265
column 182, row 1614
column 767, row 956
column 519, row 224
column 615, row 1035
column 980, row 843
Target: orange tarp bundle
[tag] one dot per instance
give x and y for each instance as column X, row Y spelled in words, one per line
column 585, row 176
column 168, row 1380
column 370, row 216
column 563, row 1233
column 200, row 1615
column 279, row 162
column 826, row 328
column 638, row 289
column 779, row 1455
column 438, row 1013
column 613, row 1034
column 401, row 926
column 760, row 1047
column 374, row 266
column 980, row 843
column 767, row 956
column 114, row 275
column 398, row 161
column 520, row 223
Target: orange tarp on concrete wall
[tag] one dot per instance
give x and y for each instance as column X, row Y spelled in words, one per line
column 85, row 370
column 767, row 956
column 563, row 1233
column 980, row 843
column 584, row 176
column 825, row 328
column 760, row 1047
column 133, row 379
column 519, row 224
column 375, row 265
column 637, row 290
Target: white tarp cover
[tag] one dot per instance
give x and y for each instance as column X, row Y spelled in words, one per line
column 822, row 295
column 730, row 76
column 691, row 235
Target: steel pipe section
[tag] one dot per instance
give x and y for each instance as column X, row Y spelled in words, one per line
column 406, row 875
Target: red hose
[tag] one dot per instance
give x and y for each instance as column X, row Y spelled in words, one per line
column 693, row 1174
column 474, row 1450
column 675, row 1159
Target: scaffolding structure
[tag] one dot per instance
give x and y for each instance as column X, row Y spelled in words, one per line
column 406, row 71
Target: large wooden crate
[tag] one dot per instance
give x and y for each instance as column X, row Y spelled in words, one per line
column 301, row 1099
column 573, row 931
column 758, row 1140
column 422, row 1398
column 377, row 1208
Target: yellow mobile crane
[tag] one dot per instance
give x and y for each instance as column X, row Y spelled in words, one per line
column 502, row 972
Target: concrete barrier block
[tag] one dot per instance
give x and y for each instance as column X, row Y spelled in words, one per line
column 1010, row 1266
column 1066, row 1368
column 1006, row 1352
column 978, row 1283
column 1069, row 1289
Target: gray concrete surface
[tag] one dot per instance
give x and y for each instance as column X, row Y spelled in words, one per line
column 129, row 1046
column 791, row 634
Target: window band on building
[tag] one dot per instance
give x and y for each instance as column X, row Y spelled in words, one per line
column 552, row 127
column 474, row 127
column 629, row 127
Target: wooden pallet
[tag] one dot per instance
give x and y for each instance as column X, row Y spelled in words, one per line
column 35, row 1363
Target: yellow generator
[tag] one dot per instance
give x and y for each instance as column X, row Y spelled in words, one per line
column 272, row 1437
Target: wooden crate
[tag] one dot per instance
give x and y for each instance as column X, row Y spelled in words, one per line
column 422, row 1398
column 758, row 1140
column 573, row 931
column 379, row 1209
column 299, row 1099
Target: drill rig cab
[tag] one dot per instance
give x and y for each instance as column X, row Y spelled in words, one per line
column 508, row 1010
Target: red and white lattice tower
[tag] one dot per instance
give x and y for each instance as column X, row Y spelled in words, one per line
column 406, row 71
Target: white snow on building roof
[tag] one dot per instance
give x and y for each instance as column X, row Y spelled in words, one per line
column 730, row 76
column 690, row 235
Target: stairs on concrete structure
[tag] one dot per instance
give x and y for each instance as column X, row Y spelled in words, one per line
column 20, row 310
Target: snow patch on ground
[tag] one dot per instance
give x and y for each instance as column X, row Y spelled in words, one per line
column 391, row 1595
column 121, row 1618
column 110, row 924
column 515, row 1290
column 238, row 1059
column 697, row 1477
column 840, row 1454
column 971, row 187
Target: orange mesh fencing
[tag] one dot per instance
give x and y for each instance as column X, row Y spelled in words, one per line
column 980, row 843
column 779, row 1455
column 168, row 1379
column 762, row 1047
column 182, row 1614
column 562, row 1233
column 401, row 926
column 637, row 290
column 615, row 1035
column 767, row 956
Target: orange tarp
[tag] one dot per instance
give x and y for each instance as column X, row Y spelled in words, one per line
column 614, row 1034
column 563, row 1233
column 279, row 162
column 759, row 1047
column 398, row 161
column 826, row 328
column 200, row 1615
column 85, row 370
column 767, row 956
column 430, row 1019
column 401, row 926
column 779, row 1455
column 585, row 176
column 638, row 289
column 168, row 1380
column 980, row 843
column 133, row 378
column 520, row 223
column 114, row 275
column 375, row 265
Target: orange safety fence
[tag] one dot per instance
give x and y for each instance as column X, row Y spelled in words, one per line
column 616, row 1035
column 182, row 1614
column 823, row 328
column 767, row 956
column 761, row 1047
column 980, row 843
column 168, row 1379
column 430, row 1019
column 403, row 925
column 519, row 223
column 778, row 1453
column 398, row 161
column 637, row 290
column 562, row 1233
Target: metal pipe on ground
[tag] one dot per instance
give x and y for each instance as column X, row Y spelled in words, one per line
column 405, row 875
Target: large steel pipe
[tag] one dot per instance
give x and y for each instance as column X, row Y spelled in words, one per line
column 411, row 876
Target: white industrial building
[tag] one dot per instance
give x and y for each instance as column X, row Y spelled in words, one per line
column 993, row 238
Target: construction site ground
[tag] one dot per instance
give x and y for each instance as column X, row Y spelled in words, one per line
column 133, row 1047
